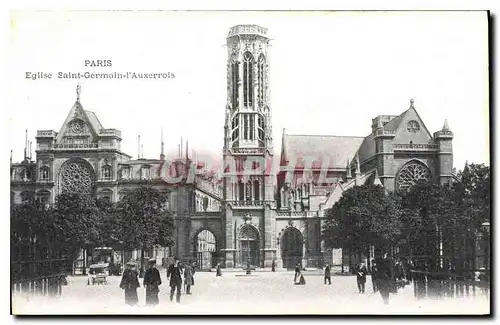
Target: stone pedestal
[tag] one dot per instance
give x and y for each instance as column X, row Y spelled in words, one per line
column 229, row 260
column 269, row 256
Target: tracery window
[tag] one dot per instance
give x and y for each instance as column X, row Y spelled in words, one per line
column 77, row 177
column 411, row 174
column 248, row 233
column 248, row 79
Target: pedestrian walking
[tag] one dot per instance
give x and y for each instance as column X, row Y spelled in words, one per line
column 374, row 275
column 302, row 281
column 129, row 284
column 188, row 277
column 152, row 281
column 297, row 273
column 385, row 278
column 328, row 274
column 174, row 273
column 273, row 266
column 218, row 270
column 361, row 277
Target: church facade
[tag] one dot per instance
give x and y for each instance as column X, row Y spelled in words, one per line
column 249, row 213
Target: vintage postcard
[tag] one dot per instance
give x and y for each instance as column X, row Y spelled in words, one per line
column 249, row 162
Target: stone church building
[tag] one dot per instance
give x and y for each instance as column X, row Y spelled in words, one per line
column 250, row 212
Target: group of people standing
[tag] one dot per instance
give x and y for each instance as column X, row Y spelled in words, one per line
column 152, row 281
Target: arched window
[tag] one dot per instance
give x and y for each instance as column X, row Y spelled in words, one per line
column 248, row 79
column 241, row 191
column 261, row 75
column 44, row 173
column 107, row 172
column 235, row 76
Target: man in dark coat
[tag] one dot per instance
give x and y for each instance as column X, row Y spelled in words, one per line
column 273, row 266
column 129, row 284
column 328, row 274
column 174, row 273
column 361, row 277
column 152, row 281
column 218, row 270
column 385, row 277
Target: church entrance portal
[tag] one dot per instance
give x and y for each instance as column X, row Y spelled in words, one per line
column 249, row 246
column 292, row 248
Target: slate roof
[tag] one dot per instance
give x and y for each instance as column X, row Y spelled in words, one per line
column 94, row 121
column 334, row 151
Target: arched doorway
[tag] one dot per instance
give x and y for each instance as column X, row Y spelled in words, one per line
column 205, row 250
column 248, row 246
column 292, row 250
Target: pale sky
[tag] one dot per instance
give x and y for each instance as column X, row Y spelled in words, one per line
column 331, row 73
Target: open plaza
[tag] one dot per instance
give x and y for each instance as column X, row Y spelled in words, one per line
column 235, row 293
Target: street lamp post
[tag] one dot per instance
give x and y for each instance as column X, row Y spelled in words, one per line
column 485, row 227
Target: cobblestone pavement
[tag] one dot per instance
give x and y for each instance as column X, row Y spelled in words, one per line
column 237, row 293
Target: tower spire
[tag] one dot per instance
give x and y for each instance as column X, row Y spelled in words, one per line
column 26, row 145
column 162, row 152
column 187, row 150
column 139, row 146
column 358, row 169
column 348, row 170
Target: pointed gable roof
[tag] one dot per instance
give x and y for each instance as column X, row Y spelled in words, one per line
column 77, row 112
column 332, row 151
column 368, row 147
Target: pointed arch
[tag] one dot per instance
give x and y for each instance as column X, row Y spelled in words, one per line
column 248, row 79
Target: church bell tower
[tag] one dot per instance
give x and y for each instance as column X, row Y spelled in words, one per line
column 248, row 149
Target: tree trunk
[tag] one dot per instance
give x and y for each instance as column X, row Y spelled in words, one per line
column 141, row 273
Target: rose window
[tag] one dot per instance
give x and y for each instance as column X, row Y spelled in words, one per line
column 412, row 174
column 77, row 177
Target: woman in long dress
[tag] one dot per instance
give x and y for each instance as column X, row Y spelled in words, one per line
column 152, row 281
column 129, row 284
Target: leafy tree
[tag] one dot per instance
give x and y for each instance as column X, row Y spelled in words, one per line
column 364, row 216
column 146, row 220
column 76, row 218
column 110, row 225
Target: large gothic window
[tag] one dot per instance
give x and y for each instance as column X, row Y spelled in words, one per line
column 261, row 79
column 77, row 177
column 411, row 174
column 234, row 81
column 248, row 79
